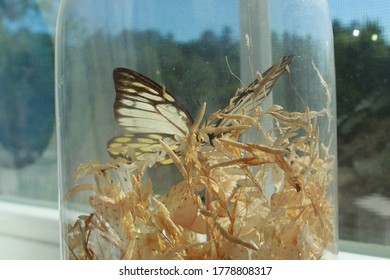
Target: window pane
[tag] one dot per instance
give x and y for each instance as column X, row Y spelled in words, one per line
column 362, row 36
column 27, row 120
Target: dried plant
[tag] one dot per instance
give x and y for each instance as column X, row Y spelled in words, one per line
column 221, row 208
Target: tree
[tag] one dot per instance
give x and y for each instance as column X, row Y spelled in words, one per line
column 360, row 61
column 26, row 89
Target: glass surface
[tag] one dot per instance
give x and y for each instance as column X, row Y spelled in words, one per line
column 27, row 34
column 27, row 121
column 252, row 182
column 362, row 36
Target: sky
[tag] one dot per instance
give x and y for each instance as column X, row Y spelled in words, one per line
column 350, row 10
column 169, row 15
column 181, row 18
column 225, row 13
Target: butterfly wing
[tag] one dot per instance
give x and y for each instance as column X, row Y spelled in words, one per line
column 143, row 106
column 148, row 113
column 247, row 100
column 142, row 146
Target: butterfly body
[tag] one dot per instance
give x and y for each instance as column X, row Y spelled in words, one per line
column 150, row 114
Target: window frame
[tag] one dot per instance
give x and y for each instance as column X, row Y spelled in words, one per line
column 29, row 232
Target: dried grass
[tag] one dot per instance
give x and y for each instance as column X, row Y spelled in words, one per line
column 220, row 209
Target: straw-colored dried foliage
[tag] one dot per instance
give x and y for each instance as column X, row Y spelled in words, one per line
column 222, row 208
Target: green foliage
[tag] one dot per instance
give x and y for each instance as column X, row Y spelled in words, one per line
column 194, row 71
column 361, row 64
column 363, row 99
column 14, row 10
column 26, row 94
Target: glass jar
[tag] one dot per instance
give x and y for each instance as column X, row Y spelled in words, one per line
column 172, row 145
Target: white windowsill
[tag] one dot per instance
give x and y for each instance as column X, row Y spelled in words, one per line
column 31, row 232
column 28, row 232
column 352, row 256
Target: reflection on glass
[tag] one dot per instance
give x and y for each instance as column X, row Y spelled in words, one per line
column 166, row 154
column 27, row 143
column 362, row 66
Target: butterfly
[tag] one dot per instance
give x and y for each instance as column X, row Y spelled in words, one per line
column 150, row 114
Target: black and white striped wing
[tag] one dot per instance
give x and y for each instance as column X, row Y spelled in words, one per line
column 248, row 99
column 148, row 113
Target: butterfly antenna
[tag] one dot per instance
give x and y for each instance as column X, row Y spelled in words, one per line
column 249, row 43
column 231, row 72
column 293, row 86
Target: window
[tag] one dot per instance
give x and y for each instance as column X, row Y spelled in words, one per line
column 28, row 171
column 27, row 119
column 362, row 52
